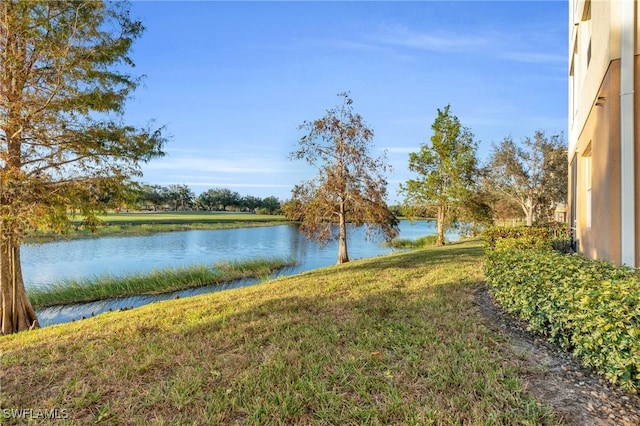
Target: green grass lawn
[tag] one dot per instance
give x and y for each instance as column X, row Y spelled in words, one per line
column 143, row 218
column 389, row 340
column 145, row 223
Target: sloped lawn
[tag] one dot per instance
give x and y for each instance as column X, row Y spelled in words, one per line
column 389, row 340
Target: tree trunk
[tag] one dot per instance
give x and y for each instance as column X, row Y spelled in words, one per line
column 16, row 312
column 440, row 226
column 529, row 210
column 529, row 217
column 343, row 256
column 528, row 207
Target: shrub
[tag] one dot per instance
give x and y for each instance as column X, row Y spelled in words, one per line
column 517, row 238
column 553, row 235
column 589, row 307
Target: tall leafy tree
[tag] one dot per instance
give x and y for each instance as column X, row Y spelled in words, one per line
column 350, row 187
column 250, row 202
column 219, row 199
column 63, row 143
column 208, row 200
column 533, row 174
column 151, row 196
column 230, row 199
column 180, row 196
column 271, row 204
column 446, row 169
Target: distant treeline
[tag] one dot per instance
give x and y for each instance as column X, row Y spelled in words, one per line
column 182, row 198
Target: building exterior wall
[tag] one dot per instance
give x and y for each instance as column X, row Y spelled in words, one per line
column 636, row 101
column 595, row 129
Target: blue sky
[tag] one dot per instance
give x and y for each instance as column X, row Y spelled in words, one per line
column 233, row 80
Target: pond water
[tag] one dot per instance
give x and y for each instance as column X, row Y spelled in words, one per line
column 78, row 259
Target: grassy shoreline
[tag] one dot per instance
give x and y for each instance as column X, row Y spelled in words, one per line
column 165, row 280
column 395, row 339
column 421, row 242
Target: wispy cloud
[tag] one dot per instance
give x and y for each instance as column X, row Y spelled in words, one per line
column 397, row 40
column 535, row 58
column 361, row 44
column 401, row 41
column 492, row 42
column 440, row 41
column 214, row 165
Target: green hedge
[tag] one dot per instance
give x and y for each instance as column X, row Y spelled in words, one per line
column 517, row 238
column 549, row 236
column 588, row 307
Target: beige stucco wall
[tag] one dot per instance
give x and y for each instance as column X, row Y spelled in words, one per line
column 600, row 137
column 605, row 47
column 594, row 124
